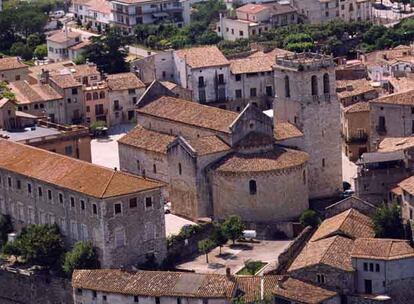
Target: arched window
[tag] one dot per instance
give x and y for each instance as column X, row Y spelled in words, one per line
column 95, row 95
column 102, row 95
column 88, row 96
column 180, row 170
column 252, row 187
column 326, row 83
column 314, row 85
column 287, row 86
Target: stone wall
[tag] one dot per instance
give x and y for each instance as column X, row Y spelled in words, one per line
column 286, row 258
column 19, row 288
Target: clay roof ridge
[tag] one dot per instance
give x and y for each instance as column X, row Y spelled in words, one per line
column 108, row 183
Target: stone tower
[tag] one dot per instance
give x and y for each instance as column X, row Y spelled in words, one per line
column 306, row 97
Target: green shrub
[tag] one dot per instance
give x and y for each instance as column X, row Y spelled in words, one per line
column 309, row 218
column 82, row 256
column 5, row 228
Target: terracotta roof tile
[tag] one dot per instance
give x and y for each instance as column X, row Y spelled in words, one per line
column 252, row 65
column 251, row 8
column 204, row 56
column 334, row 251
column 155, row 283
column 302, row 292
column 278, row 159
column 65, row 81
column 391, row 144
column 191, row 113
column 382, row 249
column 286, row 130
column 251, row 287
column 28, row 93
column 69, row 173
column 355, row 87
column 357, row 107
column 401, row 98
column 11, row 63
column 207, row 145
column 62, row 36
column 124, row 81
column 350, row 223
column 408, row 185
column 101, row 6
column 145, row 139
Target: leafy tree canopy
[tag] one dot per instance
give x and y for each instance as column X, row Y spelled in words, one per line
column 309, row 218
column 388, row 223
column 233, row 227
column 82, row 256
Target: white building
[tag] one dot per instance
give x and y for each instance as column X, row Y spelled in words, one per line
column 65, row 44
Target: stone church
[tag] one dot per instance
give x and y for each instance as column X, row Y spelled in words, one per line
column 218, row 163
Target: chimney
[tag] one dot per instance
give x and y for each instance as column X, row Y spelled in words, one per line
column 44, row 77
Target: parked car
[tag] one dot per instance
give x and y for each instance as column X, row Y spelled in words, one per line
column 57, row 14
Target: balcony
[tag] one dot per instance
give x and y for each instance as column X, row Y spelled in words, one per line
column 381, row 129
column 357, row 139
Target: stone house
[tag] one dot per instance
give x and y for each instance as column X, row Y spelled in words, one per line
column 254, row 19
column 87, row 202
column 355, row 129
column 8, row 120
column 407, row 198
column 124, row 90
column 381, row 263
column 353, row 91
column 97, row 104
column 306, row 97
column 391, row 116
column 11, row 69
column 203, row 152
column 353, row 202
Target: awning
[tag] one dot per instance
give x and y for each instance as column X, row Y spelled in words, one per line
column 379, row 157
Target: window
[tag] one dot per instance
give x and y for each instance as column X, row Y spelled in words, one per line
column 117, row 208
column 68, row 150
column 252, row 187
column 88, row 109
column 154, row 168
column 88, row 96
column 82, row 203
column 323, row 162
column 94, row 294
column 104, row 297
column 238, row 93
column 326, row 89
column 95, row 95
column 102, row 95
column 119, row 237
column 238, row 77
column 131, row 91
column 201, row 81
column 61, row 198
column 136, row 299
column 178, row 300
column 138, row 165
column 365, row 266
column 49, row 194
column 9, row 181
column 377, row 268
column 39, row 191
column 269, row 91
column 148, row 202
column 253, row 92
column 74, row 91
column 371, row 267
column 205, row 301
column 29, row 188
column 18, row 184
column 287, row 87
column 157, row 300
column 412, row 110
column 304, row 177
column 180, row 170
column 79, row 291
column 94, row 209
column 381, row 123
column 320, row 278
column 314, row 85
column 133, row 203
column 72, row 202
column 69, row 100
column 241, row 33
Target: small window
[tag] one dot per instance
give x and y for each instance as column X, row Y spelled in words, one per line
column 238, row 93
column 49, row 194
column 133, row 203
column 148, row 202
column 40, row 191
column 74, row 91
column 79, row 291
column 320, row 278
column 94, row 294
column 323, row 162
column 72, row 202
column 178, row 300
column 252, row 187
column 238, row 77
column 18, row 184
column 68, row 150
column 104, row 297
column 95, row 209
column 29, row 188
column 154, row 168
column 117, row 208
column 377, row 268
column 157, row 300
column 136, row 299
column 180, row 170
column 253, row 92
column 61, row 198
column 9, row 181
column 82, row 203
column 371, row 267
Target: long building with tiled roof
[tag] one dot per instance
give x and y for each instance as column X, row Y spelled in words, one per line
column 41, row 187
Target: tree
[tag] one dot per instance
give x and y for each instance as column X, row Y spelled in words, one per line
column 5, row 228
column 205, row 246
column 108, row 52
column 218, row 236
column 82, row 256
column 22, row 50
column 233, row 227
column 387, row 222
column 37, row 244
column 309, row 218
column 40, row 51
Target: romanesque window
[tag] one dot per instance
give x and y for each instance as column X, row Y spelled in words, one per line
column 180, row 169
column 320, row 278
column 314, row 85
column 9, row 181
column 326, row 83
column 252, row 187
column 72, row 202
column 287, row 87
column 18, row 184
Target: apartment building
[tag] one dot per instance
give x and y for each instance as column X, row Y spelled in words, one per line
column 12, row 69
column 65, row 44
column 254, row 19
column 129, row 13
column 87, row 202
column 320, row 11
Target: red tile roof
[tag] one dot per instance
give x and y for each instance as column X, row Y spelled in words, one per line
column 382, row 249
column 203, row 56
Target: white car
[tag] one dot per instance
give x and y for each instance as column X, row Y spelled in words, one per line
column 57, row 14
